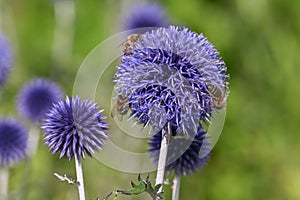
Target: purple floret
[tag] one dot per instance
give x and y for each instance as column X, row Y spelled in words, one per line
column 164, row 76
column 75, row 128
column 145, row 15
column 5, row 60
column 184, row 155
column 13, row 141
column 36, row 97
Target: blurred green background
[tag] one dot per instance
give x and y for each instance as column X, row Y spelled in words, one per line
column 257, row 155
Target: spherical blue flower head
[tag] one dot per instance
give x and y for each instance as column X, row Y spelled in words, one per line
column 36, row 97
column 184, row 155
column 74, row 127
column 5, row 59
column 145, row 15
column 13, row 141
column 144, row 100
column 174, row 61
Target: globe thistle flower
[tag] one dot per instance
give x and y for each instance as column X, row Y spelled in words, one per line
column 36, row 97
column 13, row 141
column 74, row 128
column 145, row 15
column 184, row 155
column 5, row 59
column 167, row 77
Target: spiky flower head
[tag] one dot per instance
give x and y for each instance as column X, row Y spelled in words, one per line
column 36, row 97
column 167, row 74
column 74, row 128
column 5, row 59
column 185, row 155
column 13, row 141
column 145, row 15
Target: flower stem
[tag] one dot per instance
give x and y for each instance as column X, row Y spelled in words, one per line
column 4, row 175
column 63, row 33
column 162, row 157
column 176, row 187
column 33, row 140
column 79, row 178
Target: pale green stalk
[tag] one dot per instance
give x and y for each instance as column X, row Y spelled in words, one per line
column 4, row 175
column 80, row 180
column 162, row 157
column 176, row 187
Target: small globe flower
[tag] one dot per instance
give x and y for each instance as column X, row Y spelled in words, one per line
column 74, row 128
column 5, row 59
column 184, row 155
column 36, row 97
column 13, row 141
column 172, row 76
column 145, row 15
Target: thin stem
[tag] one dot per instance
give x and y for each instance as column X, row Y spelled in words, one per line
column 63, row 33
column 4, row 175
column 33, row 140
column 162, row 157
column 79, row 178
column 176, row 187
column 116, row 193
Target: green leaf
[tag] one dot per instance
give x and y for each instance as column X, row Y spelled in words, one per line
column 138, row 189
column 132, row 184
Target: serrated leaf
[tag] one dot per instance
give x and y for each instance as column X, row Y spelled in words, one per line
column 138, row 188
column 132, row 183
